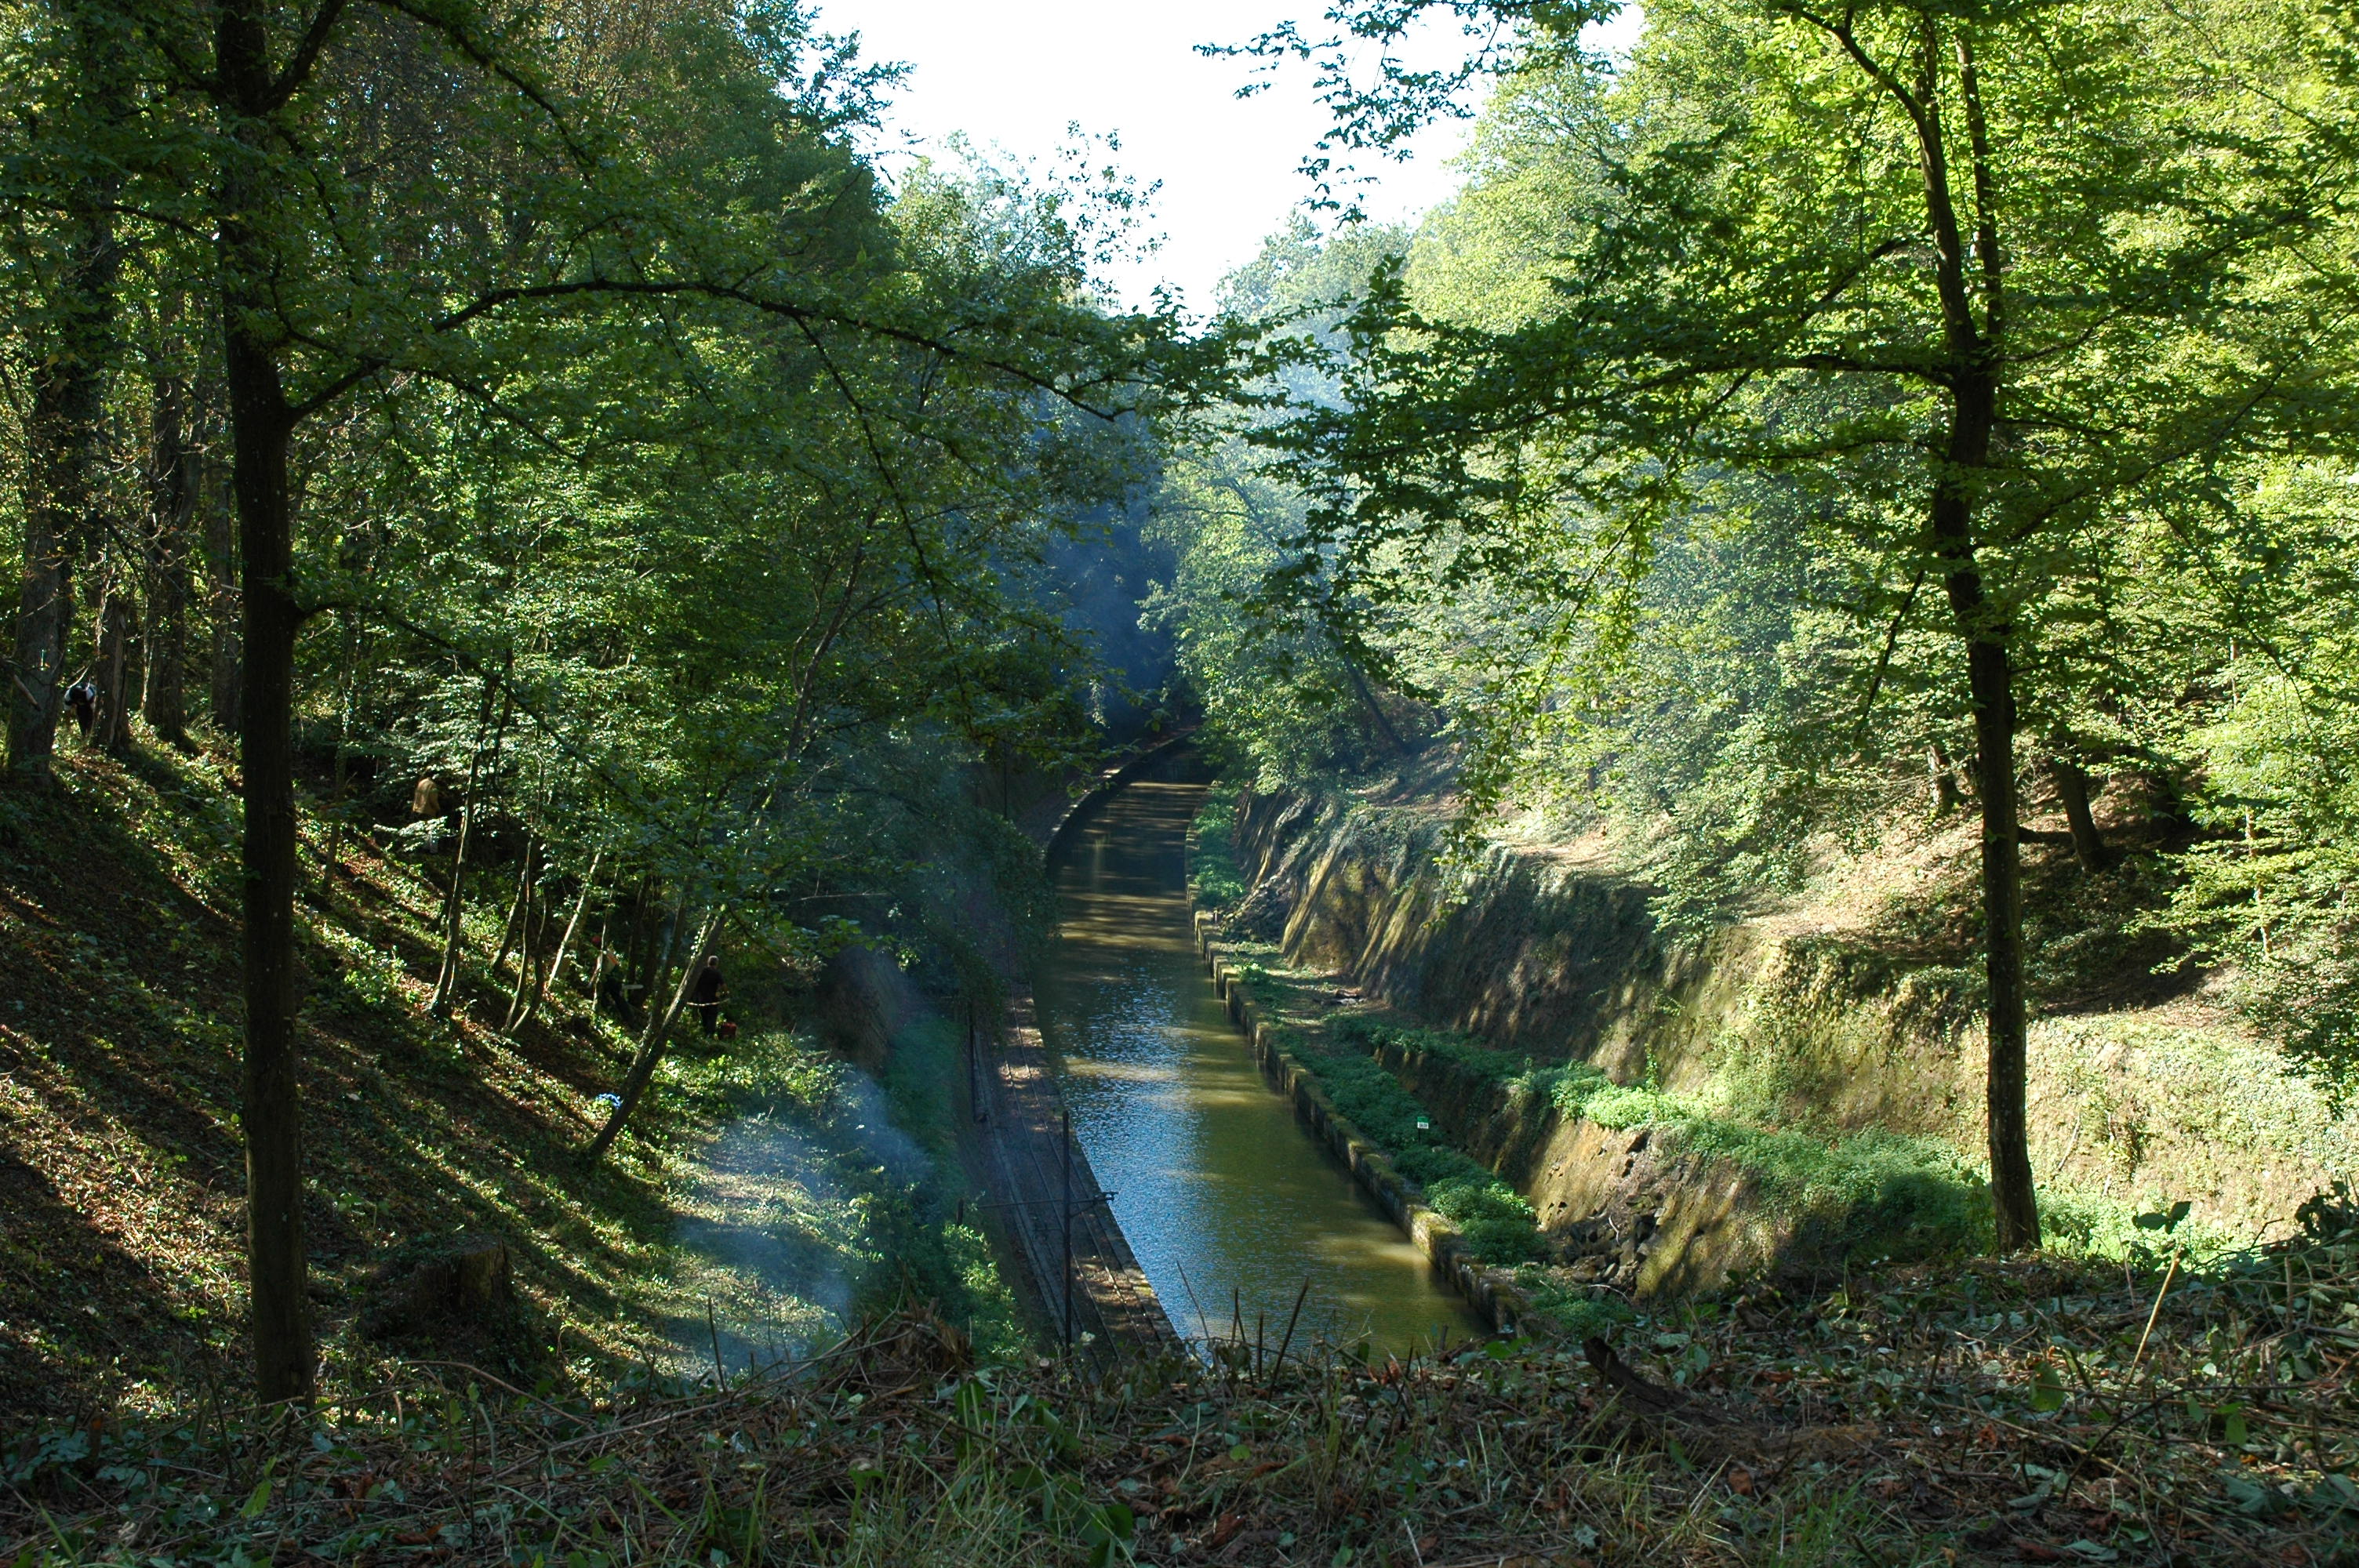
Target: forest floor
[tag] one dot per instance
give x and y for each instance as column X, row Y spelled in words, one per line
column 1992, row 1413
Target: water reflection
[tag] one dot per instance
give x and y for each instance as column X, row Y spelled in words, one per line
column 1229, row 1204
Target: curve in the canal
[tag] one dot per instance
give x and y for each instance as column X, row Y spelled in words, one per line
column 1229, row 1203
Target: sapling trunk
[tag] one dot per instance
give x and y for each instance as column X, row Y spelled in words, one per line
column 513, row 932
column 65, row 422
column 524, row 946
column 651, row 1042
column 111, row 732
column 171, row 503
column 598, row 966
column 225, row 652
column 2073, row 790
column 455, row 897
column 1944, row 776
column 565, row 942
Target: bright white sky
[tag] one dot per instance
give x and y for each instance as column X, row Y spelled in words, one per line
column 1015, row 73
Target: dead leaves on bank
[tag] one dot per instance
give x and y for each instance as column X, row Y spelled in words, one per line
column 1901, row 1420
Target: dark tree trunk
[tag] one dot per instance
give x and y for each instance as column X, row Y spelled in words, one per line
column 63, row 431
column 262, row 424
column 1990, row 678
column 2073, row 790
column 45, row 589
column 172, row 504
column 225, row 661
column 116, row 629
column 1974, row 367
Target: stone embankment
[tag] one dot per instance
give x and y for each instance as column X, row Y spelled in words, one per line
column 1034, row 1174
column 1804, row 1018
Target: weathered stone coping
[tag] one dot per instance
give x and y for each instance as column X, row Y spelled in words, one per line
column 1492, row 1292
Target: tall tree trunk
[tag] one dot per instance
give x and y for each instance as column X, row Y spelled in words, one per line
column 1990, row 678
column 2073, row 790
column 172, row 505
column 63, row 436
column 116, row 628
column 651, row 1042
column 262, row 424
column 1975, row 359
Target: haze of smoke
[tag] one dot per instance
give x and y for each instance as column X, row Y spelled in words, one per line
column 767, row 1228
column 869, row 1122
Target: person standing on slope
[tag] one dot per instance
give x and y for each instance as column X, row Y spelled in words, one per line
column 705, row 997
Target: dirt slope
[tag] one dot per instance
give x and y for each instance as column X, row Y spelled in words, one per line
column 121, row 1281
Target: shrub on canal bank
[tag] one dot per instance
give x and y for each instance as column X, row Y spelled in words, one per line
column 1497, row 1223
column 877, row 1164
column 1214, row 878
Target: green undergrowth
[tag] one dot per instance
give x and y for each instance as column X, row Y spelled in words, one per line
column 1876, row 1194
column 939, row 1256
column 1867, row 1195
column 1214, row 878
column 121, row 1275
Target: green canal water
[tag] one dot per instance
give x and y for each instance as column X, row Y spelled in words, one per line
column 1228, row 1201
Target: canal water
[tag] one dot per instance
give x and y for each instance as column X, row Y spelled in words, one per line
column 1229, row 1203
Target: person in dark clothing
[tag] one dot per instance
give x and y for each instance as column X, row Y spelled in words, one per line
column 705, row 996
column 82, row 701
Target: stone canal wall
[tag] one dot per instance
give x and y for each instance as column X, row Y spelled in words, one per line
column 1492, row 1292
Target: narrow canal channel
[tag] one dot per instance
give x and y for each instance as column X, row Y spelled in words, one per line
column 1228, row 1202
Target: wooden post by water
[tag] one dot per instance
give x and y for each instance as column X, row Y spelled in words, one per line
column 1069, row 1228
